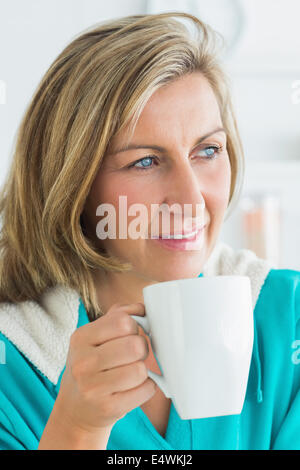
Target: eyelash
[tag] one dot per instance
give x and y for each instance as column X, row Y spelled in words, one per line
column 215, row 155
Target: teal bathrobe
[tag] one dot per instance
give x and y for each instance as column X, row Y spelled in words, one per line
column 34, row 342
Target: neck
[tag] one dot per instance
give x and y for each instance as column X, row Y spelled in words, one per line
column 124, row 288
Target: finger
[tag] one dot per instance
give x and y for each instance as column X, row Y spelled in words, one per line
column 140, row 309
column 114, row 353
column 137, row 308
column 121, row 378
column 117, row 322
column 121, row 351
column 123, row 402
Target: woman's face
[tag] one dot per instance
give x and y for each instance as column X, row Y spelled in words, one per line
column 182, row 170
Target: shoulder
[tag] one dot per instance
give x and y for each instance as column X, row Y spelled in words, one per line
column 40, row 331
column 275, row 292
column 16, row 371
column 277, row 315
column 26, row 399
column 281, row 294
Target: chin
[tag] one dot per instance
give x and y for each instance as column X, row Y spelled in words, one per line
column 176, row 271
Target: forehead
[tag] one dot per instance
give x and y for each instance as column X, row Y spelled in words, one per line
column 188, row 93
column 179, row 109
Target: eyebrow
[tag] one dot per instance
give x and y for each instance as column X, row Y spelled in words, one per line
column 162, row 149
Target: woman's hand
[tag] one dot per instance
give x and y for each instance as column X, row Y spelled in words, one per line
column 105, row 375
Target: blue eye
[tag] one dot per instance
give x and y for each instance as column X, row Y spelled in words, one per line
column 146, row 163
column 211, row 152
column 143, row 163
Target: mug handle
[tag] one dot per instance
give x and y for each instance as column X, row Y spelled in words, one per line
column 158, row 379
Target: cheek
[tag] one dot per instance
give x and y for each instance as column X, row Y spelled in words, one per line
column 222, row 178
column 216, row 187
column 110, row 188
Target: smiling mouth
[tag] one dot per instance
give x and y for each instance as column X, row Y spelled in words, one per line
column 180, row 236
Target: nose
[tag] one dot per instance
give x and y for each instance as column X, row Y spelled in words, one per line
column 183, row 190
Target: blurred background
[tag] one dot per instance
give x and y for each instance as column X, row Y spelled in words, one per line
column 262, row 57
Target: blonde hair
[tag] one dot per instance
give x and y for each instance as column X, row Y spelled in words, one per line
column 97, row 85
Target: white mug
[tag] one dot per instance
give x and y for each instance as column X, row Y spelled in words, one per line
column 201, row 333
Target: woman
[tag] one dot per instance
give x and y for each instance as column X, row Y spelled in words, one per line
column 136, row 107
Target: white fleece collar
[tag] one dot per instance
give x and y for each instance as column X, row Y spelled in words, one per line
column 225, row 261
column 42, row 332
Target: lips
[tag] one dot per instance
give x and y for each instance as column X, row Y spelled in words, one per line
column 182, row 242
column 182, row 235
